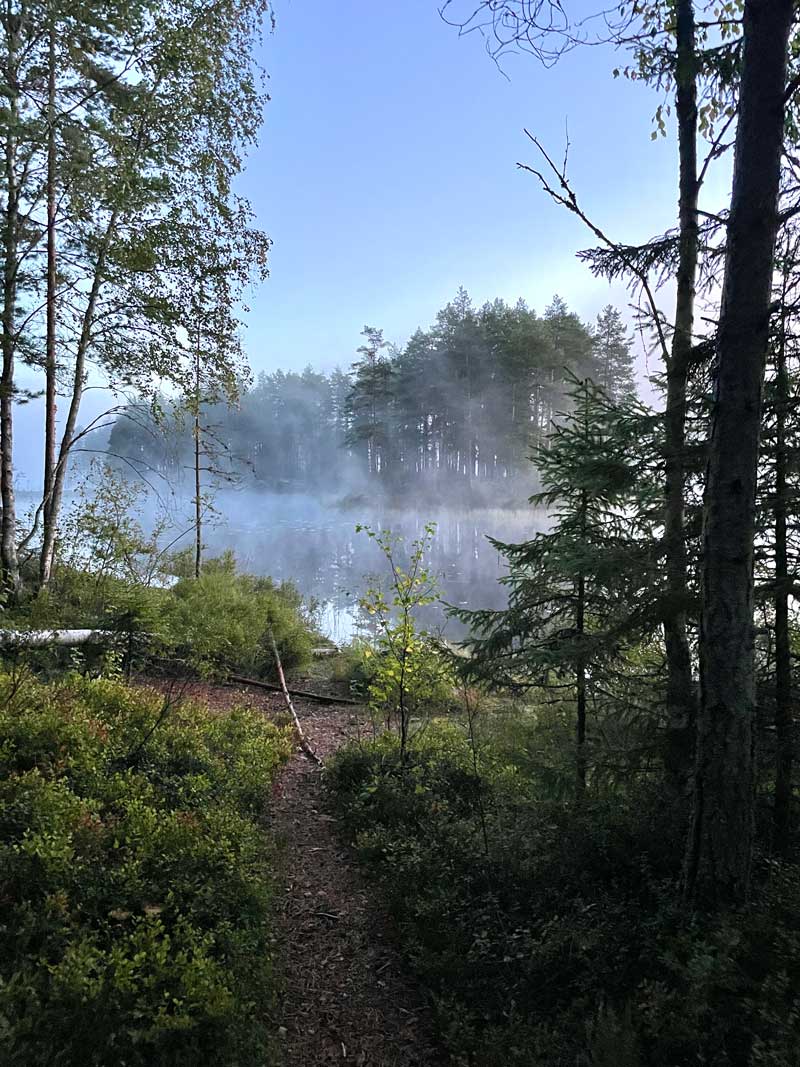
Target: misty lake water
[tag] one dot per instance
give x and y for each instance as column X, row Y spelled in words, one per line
column 316, row 546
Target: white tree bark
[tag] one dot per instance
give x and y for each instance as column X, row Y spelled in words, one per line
column 13, row 639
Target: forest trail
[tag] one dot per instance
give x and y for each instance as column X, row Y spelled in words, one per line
column 348, row 998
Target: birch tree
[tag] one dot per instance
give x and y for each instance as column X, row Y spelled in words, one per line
column 138, row 115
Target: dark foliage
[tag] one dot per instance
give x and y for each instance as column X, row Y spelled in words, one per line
column 564, row 942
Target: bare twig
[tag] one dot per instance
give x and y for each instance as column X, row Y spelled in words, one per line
column 305, row 744
column 565, row 195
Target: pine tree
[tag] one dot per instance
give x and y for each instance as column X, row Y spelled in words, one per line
column 370, row 399
column 613, row 356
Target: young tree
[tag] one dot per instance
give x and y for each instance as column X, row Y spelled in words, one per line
column 411, row 674
column 613, row 356
column 575, row 591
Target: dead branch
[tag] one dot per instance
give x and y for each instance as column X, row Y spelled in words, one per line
column 321, row 698
column 565, row 196
column 305, row 744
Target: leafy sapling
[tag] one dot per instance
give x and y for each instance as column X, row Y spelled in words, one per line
column 411, row 675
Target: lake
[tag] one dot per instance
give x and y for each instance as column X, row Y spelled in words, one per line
column 315, row 545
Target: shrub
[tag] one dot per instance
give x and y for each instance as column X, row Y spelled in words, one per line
column 215, row 624
column 221, row 621
column 134, row 878
column 354, row 666
column 563, row 941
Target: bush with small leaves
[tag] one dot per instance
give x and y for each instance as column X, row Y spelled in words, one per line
column 134, row 877
column 556, row 937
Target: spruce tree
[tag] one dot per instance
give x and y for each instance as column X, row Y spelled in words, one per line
column 577, row 592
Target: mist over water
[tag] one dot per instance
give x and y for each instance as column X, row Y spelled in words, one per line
column 312, row 542
column 299, row 538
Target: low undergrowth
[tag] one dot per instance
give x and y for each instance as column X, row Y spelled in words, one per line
column 218, row 623
column 550, row 933
column 134, row 882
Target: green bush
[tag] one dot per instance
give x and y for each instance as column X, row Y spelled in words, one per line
column 354, row 666
column 221, row 620
column 557, row 938
column 110, row 574
column 215, row 624
column 134, row 878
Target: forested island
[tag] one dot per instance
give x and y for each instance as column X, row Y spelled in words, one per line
column 463, row 404
column 538, row 804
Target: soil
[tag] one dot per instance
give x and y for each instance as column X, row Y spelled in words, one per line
column 348, row 998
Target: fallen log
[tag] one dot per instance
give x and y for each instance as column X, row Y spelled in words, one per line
column 321, row 698
column 305, row 744
column 13, row 639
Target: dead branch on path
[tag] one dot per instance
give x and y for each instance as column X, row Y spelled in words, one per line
column 305, row 744
column 321, row 698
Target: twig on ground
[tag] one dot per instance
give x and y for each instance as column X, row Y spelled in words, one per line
column 305, row 744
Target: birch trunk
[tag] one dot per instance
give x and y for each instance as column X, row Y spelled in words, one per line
column 9, row 567
column 198, row 516
column 50, row 523
column 50, row 344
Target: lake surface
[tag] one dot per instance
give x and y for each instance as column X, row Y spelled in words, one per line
column 316, row 546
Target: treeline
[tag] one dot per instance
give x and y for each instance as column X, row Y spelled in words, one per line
column 467, row 400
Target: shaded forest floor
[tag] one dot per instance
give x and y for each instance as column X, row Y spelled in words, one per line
column 347, row 996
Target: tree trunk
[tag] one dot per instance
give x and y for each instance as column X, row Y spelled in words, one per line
column 198, row 517
column 9, row 567
column 580, row 627
column 55, row 499
column 719, row 848
column 11, row 640
column 50, row 343
column 783, row 661
column 680, row 695
column 78, row 384
column 580, row 722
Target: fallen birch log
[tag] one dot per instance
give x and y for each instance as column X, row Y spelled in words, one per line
column 305, row 744
column 13, row 639
column 321, row 698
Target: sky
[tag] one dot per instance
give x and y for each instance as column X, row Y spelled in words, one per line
column 386, row 175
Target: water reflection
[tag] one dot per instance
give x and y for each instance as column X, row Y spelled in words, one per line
column 315, row 546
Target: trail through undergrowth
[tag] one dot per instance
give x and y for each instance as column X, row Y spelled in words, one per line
column 348, row 997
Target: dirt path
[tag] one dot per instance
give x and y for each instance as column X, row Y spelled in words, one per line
column 348, row 997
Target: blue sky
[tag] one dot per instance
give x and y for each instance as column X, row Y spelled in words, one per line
column 386, row 175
